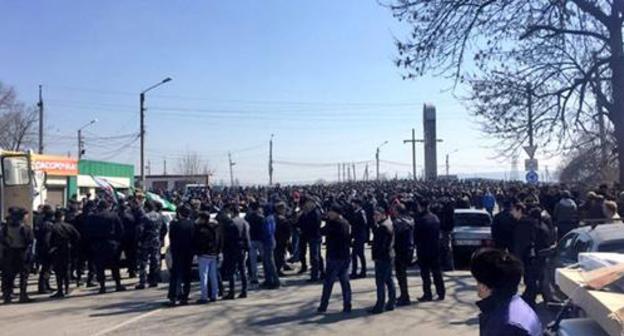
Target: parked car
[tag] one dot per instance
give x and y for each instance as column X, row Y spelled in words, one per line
column 602, row 238
column 472, row 231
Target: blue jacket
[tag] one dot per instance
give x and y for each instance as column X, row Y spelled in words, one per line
column 507, row 316
column 269, row 231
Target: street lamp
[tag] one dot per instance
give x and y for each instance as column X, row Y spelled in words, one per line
column 142, row 130
column 80, row 142
column 377, row 157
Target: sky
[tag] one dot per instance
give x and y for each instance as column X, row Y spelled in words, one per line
column 318, row 75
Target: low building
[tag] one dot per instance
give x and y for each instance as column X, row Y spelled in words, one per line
column 52, row 175
column 172, row 182
column 120, row 176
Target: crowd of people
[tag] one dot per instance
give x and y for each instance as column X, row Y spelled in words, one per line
column 228, row 232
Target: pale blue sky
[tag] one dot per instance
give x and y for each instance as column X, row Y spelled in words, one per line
column 317, row 74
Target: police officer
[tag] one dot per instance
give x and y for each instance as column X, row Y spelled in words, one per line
column 427, row 238
column 62, row 238
column 43, row 225
column 404, row 249
column 149, row 246
column 105, row 233
column 16, row 242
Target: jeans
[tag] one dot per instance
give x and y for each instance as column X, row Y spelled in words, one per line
column 268, row 263
column 316, row 262
column 256, row 246
column 208, row 273
column 336, row 269
column 429, row 267
column 383, row 279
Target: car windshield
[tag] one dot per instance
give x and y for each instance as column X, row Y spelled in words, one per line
column 472, row 219
column 612, row 246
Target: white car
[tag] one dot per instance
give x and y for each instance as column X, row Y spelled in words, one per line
column 472, row 230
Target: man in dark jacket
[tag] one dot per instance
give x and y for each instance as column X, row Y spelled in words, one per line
column 359, row 236
column 283, row 231
column 16, row 242
column 60, row 241
column 337, row 233
column 129, row 244
column 310, row 224
column 208, row 243
column 503, row 312
column 383, row 256
column 181, row 247
column 404, row 249
column 105, row 233
column 502, row 227
column 427, row 238
column 256, row 220
column 43, row 225
column 235, row 245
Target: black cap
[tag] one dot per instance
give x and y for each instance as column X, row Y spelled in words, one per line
column 335, row 207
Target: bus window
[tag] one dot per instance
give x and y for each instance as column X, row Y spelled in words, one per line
column 15, row 170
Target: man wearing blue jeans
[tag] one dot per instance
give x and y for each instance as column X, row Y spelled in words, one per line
column 257, row 234
column 338, row 233
column 271, row 278
column 383, row 256
column 208, row 243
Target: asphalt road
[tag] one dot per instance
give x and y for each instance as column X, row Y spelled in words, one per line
column 290, row 310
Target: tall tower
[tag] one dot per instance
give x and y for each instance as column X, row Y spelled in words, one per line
column 431, row 156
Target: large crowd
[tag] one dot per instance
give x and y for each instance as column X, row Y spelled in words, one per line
column 230, row 231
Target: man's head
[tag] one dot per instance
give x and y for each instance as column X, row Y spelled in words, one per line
column 18, row 214
column 518, row 210
column 59, row 215
column 184, row 211
column 496, row 271
column 335, row 211
column 380, row 214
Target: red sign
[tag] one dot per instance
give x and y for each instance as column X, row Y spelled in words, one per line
column 55, row 165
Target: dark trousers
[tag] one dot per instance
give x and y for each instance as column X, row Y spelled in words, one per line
column 533, row 279
column 316, row 261
column 446, row 250
column 44, row 273
column 234, row 261
column 431, row 267
column 14, row 264
column 400, row 267
column 180, row 277
column 280, row 255
column 61, row 265
column 130, row 250
column 358, row 254
column 336, row 269
column 383, row 280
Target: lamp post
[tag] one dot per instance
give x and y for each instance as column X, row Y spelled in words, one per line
column 377, row 157
column 80, row 142
column 447, row 161
column 142, row 122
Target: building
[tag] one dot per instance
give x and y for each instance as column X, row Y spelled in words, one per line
column 173, row 182
column 431, row 142
column 120, row 176
column 52, row 176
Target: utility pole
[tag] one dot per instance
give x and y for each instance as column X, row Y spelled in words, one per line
column 413, row 141
column 447, row 166
column 271, row 161
column 40, row 105
column 377, row 159
column 165, row 166
column 354, row 174
column 149, row 167
column 231, row 172
column 79, row 144
column 142, row 134
column 366, row 173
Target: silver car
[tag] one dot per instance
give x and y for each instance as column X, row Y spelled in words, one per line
column 472, row 230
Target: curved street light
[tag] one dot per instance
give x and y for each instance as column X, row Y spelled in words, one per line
column 80, row 142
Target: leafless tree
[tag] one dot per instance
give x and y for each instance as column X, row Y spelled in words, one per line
column 191, row 164
column 17, row 121
column 570, row 52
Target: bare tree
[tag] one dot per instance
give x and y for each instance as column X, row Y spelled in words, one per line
column 190, row 164
column 17, row 121
column 570, row 52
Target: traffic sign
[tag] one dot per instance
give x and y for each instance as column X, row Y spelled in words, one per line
column 530, row 164
column 532, row 177
column 530, row 150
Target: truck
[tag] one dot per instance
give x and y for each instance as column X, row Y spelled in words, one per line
column 19, row 184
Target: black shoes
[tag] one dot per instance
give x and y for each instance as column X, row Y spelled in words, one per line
column 58, row 295
column 230, row 296
column 375, row 310
column 201, row 301
column 346, row 309
column 403, row 302
column 120, row 288
column 242, row 295
column 425, row 298
column 139, row 287
column 321, row 310
column 102, row 290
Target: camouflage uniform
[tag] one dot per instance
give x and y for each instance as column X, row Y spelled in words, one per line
column 149, row 239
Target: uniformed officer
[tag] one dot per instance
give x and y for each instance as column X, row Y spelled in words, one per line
column 16, row 242
column 61, row 239
column 149, row 246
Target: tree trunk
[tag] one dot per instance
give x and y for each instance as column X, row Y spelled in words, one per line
column 616, row 113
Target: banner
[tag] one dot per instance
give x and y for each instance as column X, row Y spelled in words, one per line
column 55, row 165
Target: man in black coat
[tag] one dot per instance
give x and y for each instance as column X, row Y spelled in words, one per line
column 404, row 249
column 129, row 244
column 43, row 225
column 105, row 233
column 383, row 256
column 310, row 224
column 427, row 238
column 502, row 227
column 359, row 236
column 283, row 231
column 337, row 232
column 60, row 241
column 181, row 246
column 236, row 243
column 16, row 242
